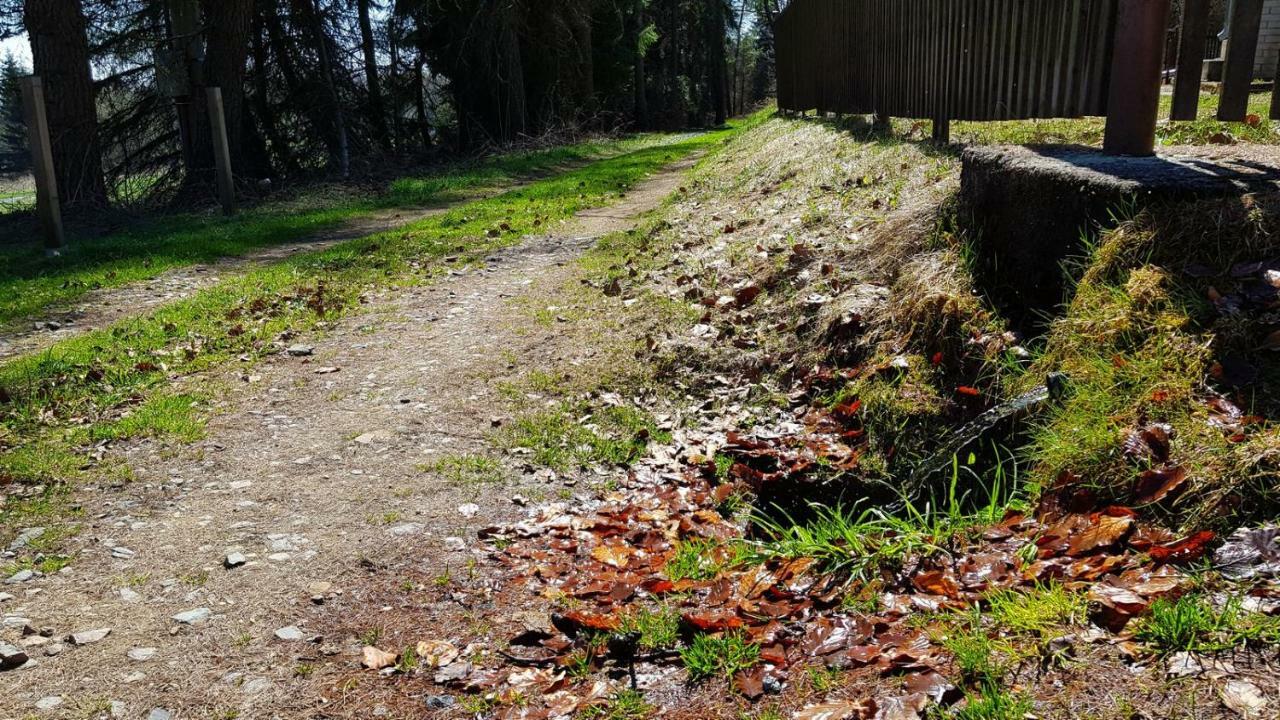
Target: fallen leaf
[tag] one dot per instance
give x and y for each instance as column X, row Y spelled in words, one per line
column 1154, row 485
column 1245, row 698
column 436, row 653
column 613, row 555
column 376, row 659
column 1104, row 533
column 838, row 710
column 1183, row 551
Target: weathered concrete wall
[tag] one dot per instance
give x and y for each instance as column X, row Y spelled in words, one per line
column 1031, row 208
column 1268, row 42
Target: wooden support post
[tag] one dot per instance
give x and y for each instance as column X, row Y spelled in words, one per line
column 882, row 123
column 1133, row 102
column 1275, row 96
column 221, row 152
column 1242, row 49
column 1186, row 88
column 942, row 131
column 47, row 205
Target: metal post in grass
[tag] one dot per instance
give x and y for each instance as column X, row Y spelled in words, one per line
column 48, row 208
column 941, row 131
column 1133, row 102
column 1186, row 86
column 1242, row 50
column 221, row 152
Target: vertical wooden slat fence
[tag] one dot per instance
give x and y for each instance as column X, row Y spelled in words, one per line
column 981, row 60
column 947, row 59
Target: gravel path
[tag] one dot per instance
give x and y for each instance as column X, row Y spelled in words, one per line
column 315, row 469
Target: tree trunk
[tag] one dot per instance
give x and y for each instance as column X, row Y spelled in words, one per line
column 641, row 100
column 262, row 100
column 718, row 68
column 310, row 16
column 737, row 104
column 377, row 110
column 420, row 100
column 60, row 50
column 227, row 27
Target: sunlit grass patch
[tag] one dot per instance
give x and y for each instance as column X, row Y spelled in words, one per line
column 1036, row 611
column 1195, row 623
column 161, row 415
column 467, row 469
column 657, row 628
column 710, row 656
column 571, row 435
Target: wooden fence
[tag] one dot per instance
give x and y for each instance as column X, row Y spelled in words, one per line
column 982, row 60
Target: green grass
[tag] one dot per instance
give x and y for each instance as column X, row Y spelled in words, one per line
column 993, row 702
column 570, row 436
column 468, row 470
column 31, row 283
column 626, row 705
column 658, row 628
column 702, row 559
column 710, row 656
column 161, row 415
column 1192, row 623
column 1036, row 611
column 50, row 403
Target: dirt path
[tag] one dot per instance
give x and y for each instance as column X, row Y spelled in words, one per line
column 313, row 477
column 101, row 308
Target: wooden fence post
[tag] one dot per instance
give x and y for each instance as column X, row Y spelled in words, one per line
column 1242, row 48
column 941, row 131
column 1133, row 102
column 1186, row 88
column 221, row 152
column 47, row 205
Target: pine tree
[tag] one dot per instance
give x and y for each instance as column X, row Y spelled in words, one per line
column 14, row 156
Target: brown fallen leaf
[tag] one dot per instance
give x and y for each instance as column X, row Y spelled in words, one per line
column 1104, row 533
column 838, row 710
column 750, row 682
column 1154, row 485
column 376, row 659
column 436, row 653
column 908, row 707
column 613, row 555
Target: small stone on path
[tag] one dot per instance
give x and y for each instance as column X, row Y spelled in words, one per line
column 234, row 560
column 142, row 654
column 87, row 637
column 455, row 544
column 406, row 529
column 468, row 510
column 130, row 596
column 5, row 597
column 290, row 634
column 20, row 577
column 121, row 552
column 11, row 656
column 48, row 703
column 300, row 350
column 192, row 617
column 159, row 714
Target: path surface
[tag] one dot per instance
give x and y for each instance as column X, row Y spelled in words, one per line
column 313, row 477
column 101, row 308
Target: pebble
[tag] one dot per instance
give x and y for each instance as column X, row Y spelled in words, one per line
column 468, row 510
column 376, row 436
column 439, row 702
column 159, row 714
column 11, row 656
column 130, row 596
column 54, row 649
column 25, row 537
column 121, row 552
column 87, row 637
column 142, row 654
column 455, row 544
column 234, row 560
column 20, row 577
column 14, row 621
column 300, row 350
column 48, row 703
column 193, row 617
column 406, row 529
column 290, row 633
column 5, row 597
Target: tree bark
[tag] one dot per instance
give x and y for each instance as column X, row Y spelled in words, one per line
column 60, row 50
column 718, row 67
column 377, row 110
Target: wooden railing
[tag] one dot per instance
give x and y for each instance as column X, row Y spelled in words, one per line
column 980, row 60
